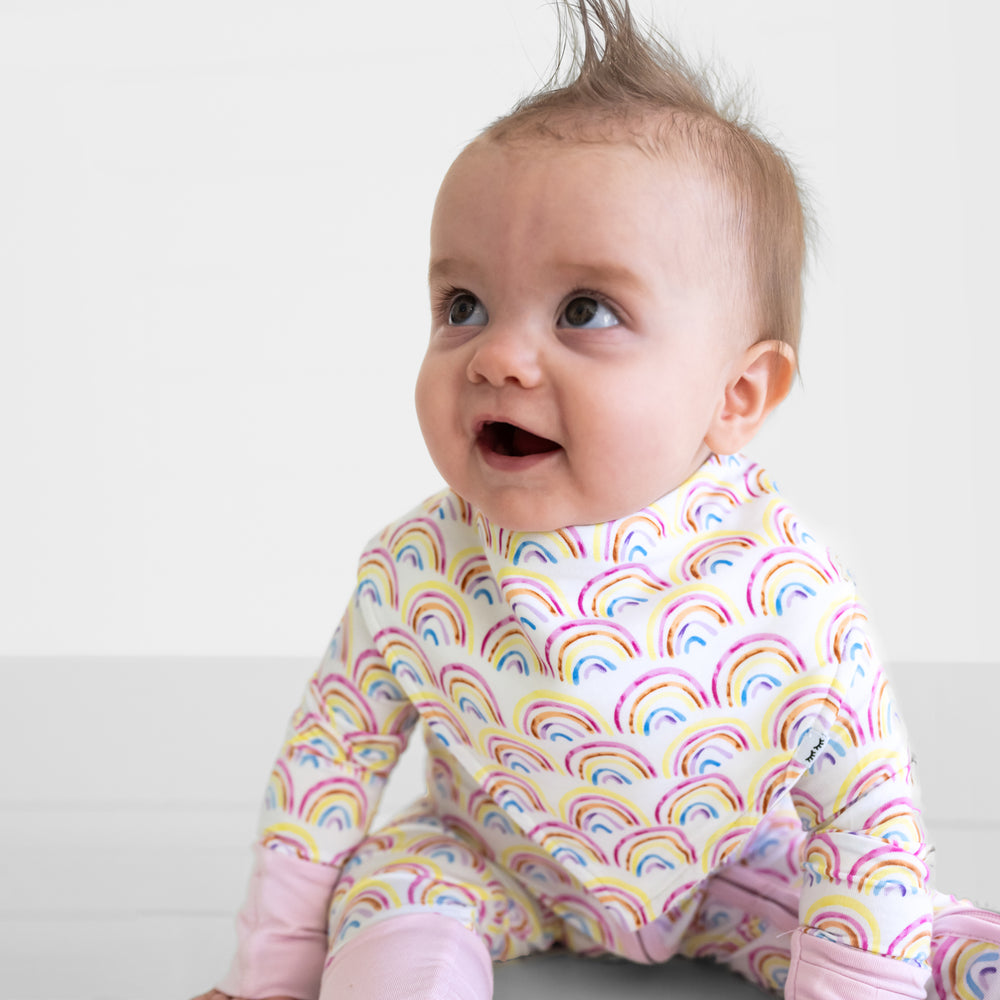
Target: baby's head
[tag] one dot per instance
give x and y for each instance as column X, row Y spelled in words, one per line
column 615, row 280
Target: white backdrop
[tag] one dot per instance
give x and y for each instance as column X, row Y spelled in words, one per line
column 213, row 222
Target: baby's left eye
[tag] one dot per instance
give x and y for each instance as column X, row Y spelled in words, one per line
column 586, row 312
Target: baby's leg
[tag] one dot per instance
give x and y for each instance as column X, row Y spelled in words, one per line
column 751, row 907
column 965, row 951
column 423, row 908
column 415, row 957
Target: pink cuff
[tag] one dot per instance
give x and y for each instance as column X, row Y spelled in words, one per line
column 826, row 970
column 281, row 929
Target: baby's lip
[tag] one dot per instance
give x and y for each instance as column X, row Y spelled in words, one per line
column 502, row 437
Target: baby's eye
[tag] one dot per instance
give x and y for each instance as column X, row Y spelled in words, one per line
column 466, row 310
column 586, row 312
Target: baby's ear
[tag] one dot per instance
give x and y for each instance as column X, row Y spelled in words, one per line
column 763, row 378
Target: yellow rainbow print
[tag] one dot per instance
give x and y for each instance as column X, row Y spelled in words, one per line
column 770, row 967
column 377, row 752
column 533, row 865
column 756, row 665
column 470, row 570
column 726, row 844
column 470, row 693
column 290, row 838
column 450, row 507
column 514, row 753
column 404, row 658
column 709, row 749
column 782, row 578
column 717, row 553
column 845, row 919
column 584, row 648
column 510, row 791
column 802, row 702
column 894, row 823
column 659, row 847
column 280, row 793
column 505, row 648
column 377, row 578
column 487, row 815
column 688, row 620
column 337, row 803
column 604, row 762
column 584, row 916
column 553, row 547
column 555, row 717
column 966, row 970
column 822, row 860
column 631, row 539
column 883, row 719
column 913, row 943
column 356, row 905
column 438, row 616
column 870, row 771
column 601, row 813
column 434, row 892
column 694, row 800
column 770, row 782
column 707, row 504
column 418, row 543
column 441, row 720
column 889, row 869
column 625, row 899
column 844, row 638
column 344, row 703
column 567, row 844
column 784, row 526
column 442, row 848
column 614, row 591
column 314, row 742
column 532, row 596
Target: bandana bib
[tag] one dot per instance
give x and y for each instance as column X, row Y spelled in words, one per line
column 634, row 695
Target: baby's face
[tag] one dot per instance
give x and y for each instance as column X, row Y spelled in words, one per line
column 585, row 324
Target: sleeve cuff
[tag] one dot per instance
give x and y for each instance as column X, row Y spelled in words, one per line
column 825, row 970
column 281, row 929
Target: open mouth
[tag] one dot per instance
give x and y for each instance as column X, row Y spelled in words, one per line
column 506, row 439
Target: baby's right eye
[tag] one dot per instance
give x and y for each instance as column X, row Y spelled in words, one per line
column 466, row 310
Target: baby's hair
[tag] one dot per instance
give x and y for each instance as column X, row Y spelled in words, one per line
column 639, row 82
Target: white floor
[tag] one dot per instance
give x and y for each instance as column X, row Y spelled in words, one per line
column 128, row 796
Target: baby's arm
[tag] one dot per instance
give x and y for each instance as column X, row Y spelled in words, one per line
column 865, row 910
column 342, row 743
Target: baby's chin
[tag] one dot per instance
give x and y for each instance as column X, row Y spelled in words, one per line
column 545, row 516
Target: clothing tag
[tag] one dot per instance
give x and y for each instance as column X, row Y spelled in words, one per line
column 811, row 743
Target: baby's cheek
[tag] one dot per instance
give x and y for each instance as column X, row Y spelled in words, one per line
column 428, row 397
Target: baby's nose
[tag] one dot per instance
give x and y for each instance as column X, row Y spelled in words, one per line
column 505, row 355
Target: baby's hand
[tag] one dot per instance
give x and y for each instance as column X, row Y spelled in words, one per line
column 219, row 995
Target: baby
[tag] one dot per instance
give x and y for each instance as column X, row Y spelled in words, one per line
column 655, row 724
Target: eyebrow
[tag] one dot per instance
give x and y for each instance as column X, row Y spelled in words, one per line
column 601, row 271
column 597, row 272
column 442, row 267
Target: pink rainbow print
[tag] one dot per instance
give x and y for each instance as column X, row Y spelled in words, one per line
column 666, row 695
column 418, row 543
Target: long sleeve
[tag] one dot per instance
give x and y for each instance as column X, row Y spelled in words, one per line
column 342, row 742
column 866, row 874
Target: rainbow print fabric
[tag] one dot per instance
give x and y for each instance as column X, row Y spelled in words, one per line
column 631, row 699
